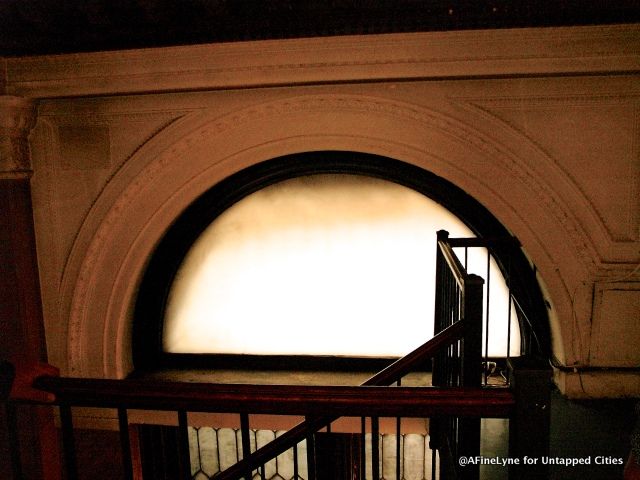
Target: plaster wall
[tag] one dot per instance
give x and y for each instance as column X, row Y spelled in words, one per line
column 540, row 126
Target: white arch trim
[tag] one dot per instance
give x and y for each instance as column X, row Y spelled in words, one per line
column 184, row 160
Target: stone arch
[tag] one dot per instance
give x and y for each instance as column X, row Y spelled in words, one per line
column 172, row 169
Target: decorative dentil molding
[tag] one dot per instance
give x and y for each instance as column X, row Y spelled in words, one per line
column 17, row 118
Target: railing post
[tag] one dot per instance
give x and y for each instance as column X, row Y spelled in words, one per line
column 469, row 428
column 472, row 342
column 311, row 453
column 245, row 439
column 375, row 448
column 125, row 443
column 437, row 362
column 68, row 442
column 529, row 427
column 184, row 458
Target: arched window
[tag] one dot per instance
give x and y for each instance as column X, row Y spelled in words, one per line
column 324, row 255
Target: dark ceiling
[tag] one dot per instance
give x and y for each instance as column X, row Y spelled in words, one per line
column 30, row 27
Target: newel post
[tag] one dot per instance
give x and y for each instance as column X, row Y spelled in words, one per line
column 469, row 442
column 529, row 427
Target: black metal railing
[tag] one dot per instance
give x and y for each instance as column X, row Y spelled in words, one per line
column 525, row 403
column 467, row 362
column 459, row 298
column 453, row 405
column 369, row 403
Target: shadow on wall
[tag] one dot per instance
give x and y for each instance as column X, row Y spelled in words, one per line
column 597, row 430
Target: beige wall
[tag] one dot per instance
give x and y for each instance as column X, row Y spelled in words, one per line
column 541, row 126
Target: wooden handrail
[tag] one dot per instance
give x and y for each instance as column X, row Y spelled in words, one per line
column 279, row 399
column 459, row 273
column 488, row 242
column 223, row 398
column 457, row 269
column 427, row 350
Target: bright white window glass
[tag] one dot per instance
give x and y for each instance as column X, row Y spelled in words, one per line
column 320, row 265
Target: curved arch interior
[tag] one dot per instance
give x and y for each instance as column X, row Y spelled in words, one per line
column 322, row 264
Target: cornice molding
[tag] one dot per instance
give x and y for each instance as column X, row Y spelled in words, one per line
column 607, row 49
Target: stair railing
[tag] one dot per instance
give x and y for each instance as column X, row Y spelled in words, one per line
column 455, row 403
column 321, row 402
column 459, row 297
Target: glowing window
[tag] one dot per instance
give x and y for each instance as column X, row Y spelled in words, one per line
column 319, row 265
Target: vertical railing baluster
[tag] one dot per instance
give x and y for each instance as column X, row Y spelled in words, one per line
column 466, row 258
column 296, row 475
column 455, row 350
column 246, row 440
column 311, row 456
column 457, row 298
column 509, row 308
column 450, row 305
column 399, row 453
column 125, row 443
column 456, row 364
column 449, row 351
column 398, row 440
column 375, row 448
column 363, row 448
column 184, row 461
column 68, row 442
column 486, row 341
column 434, row 459
column 509, row 331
